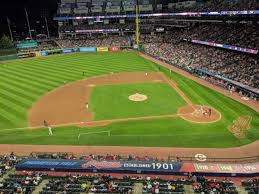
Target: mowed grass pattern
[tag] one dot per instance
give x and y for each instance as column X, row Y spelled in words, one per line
column 22, row 82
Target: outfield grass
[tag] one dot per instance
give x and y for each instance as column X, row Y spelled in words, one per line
column 22, row 82
column 111, row 101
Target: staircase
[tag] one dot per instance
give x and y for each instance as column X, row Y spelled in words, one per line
column 188, row 189
column 40, row 187
column 137, row 188
column 12, row 171
column 57, row 44
column 241, row 190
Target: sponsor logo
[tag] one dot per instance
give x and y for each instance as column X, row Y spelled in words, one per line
column 102, row 49
column 200, row 157
column 101, row 164
column 114, row 49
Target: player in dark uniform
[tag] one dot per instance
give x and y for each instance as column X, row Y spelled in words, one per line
column 45, row 123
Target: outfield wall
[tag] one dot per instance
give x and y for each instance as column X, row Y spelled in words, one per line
column 6, row 52
column 81, row 49
column 62, row 51
column 8, row 57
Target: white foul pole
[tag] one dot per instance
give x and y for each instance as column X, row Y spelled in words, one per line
column 9, row 27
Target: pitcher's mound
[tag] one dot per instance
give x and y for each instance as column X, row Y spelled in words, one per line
column 137, row 97
column 199, row 114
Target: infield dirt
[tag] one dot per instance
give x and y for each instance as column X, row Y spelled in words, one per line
column 68, row 104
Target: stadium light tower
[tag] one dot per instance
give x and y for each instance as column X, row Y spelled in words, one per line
column 44, row 14
column 137, row 23
column 28, row 22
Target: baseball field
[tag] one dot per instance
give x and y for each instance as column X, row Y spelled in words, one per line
column 117, row 99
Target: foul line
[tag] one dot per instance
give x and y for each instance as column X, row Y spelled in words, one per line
column 180, row 134
column 91, row 123
column 97, row 132
column 95, row 123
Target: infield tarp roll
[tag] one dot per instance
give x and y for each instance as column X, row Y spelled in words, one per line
column 100, row 166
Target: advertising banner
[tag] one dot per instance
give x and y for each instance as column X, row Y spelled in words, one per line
column 67, row 51
column 53, row 52
column 227, row 168
column 131, row 8
column 37, row 54
column 114, row 49
column 97, row 30
column 99, row 166
column 102, row 49
column 144, row 167
column 27, row 44
column 44, row 53
column 230, row 47
column 25, row 55
column 87, row 49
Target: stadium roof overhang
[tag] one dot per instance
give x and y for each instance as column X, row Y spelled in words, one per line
column 186, row 14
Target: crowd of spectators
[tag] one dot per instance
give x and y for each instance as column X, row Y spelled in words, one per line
column 20, row 183
column 48, row 45
column 240, row 67
column 94, row 41
column 114, row 27
column 97, row 26
column 243, row 35
column 105, row 183
column 163, row 186
column 15, row 183
column 27, row 182
column 236, row 66
column 237, row 34
column 205, row 185
column 7, row 163
column 251, row 185
column 107, row 157
column 41, row 45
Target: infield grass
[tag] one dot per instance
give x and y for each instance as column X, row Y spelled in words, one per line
column 112, row 102
column 23, row 82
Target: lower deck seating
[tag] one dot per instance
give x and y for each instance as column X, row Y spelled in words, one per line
column 20, row 184
column 251, row 186
column 214, row 186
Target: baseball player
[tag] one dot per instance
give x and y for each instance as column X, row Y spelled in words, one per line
column 50, row 131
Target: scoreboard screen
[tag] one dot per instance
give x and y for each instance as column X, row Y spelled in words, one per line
column 27, row 44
